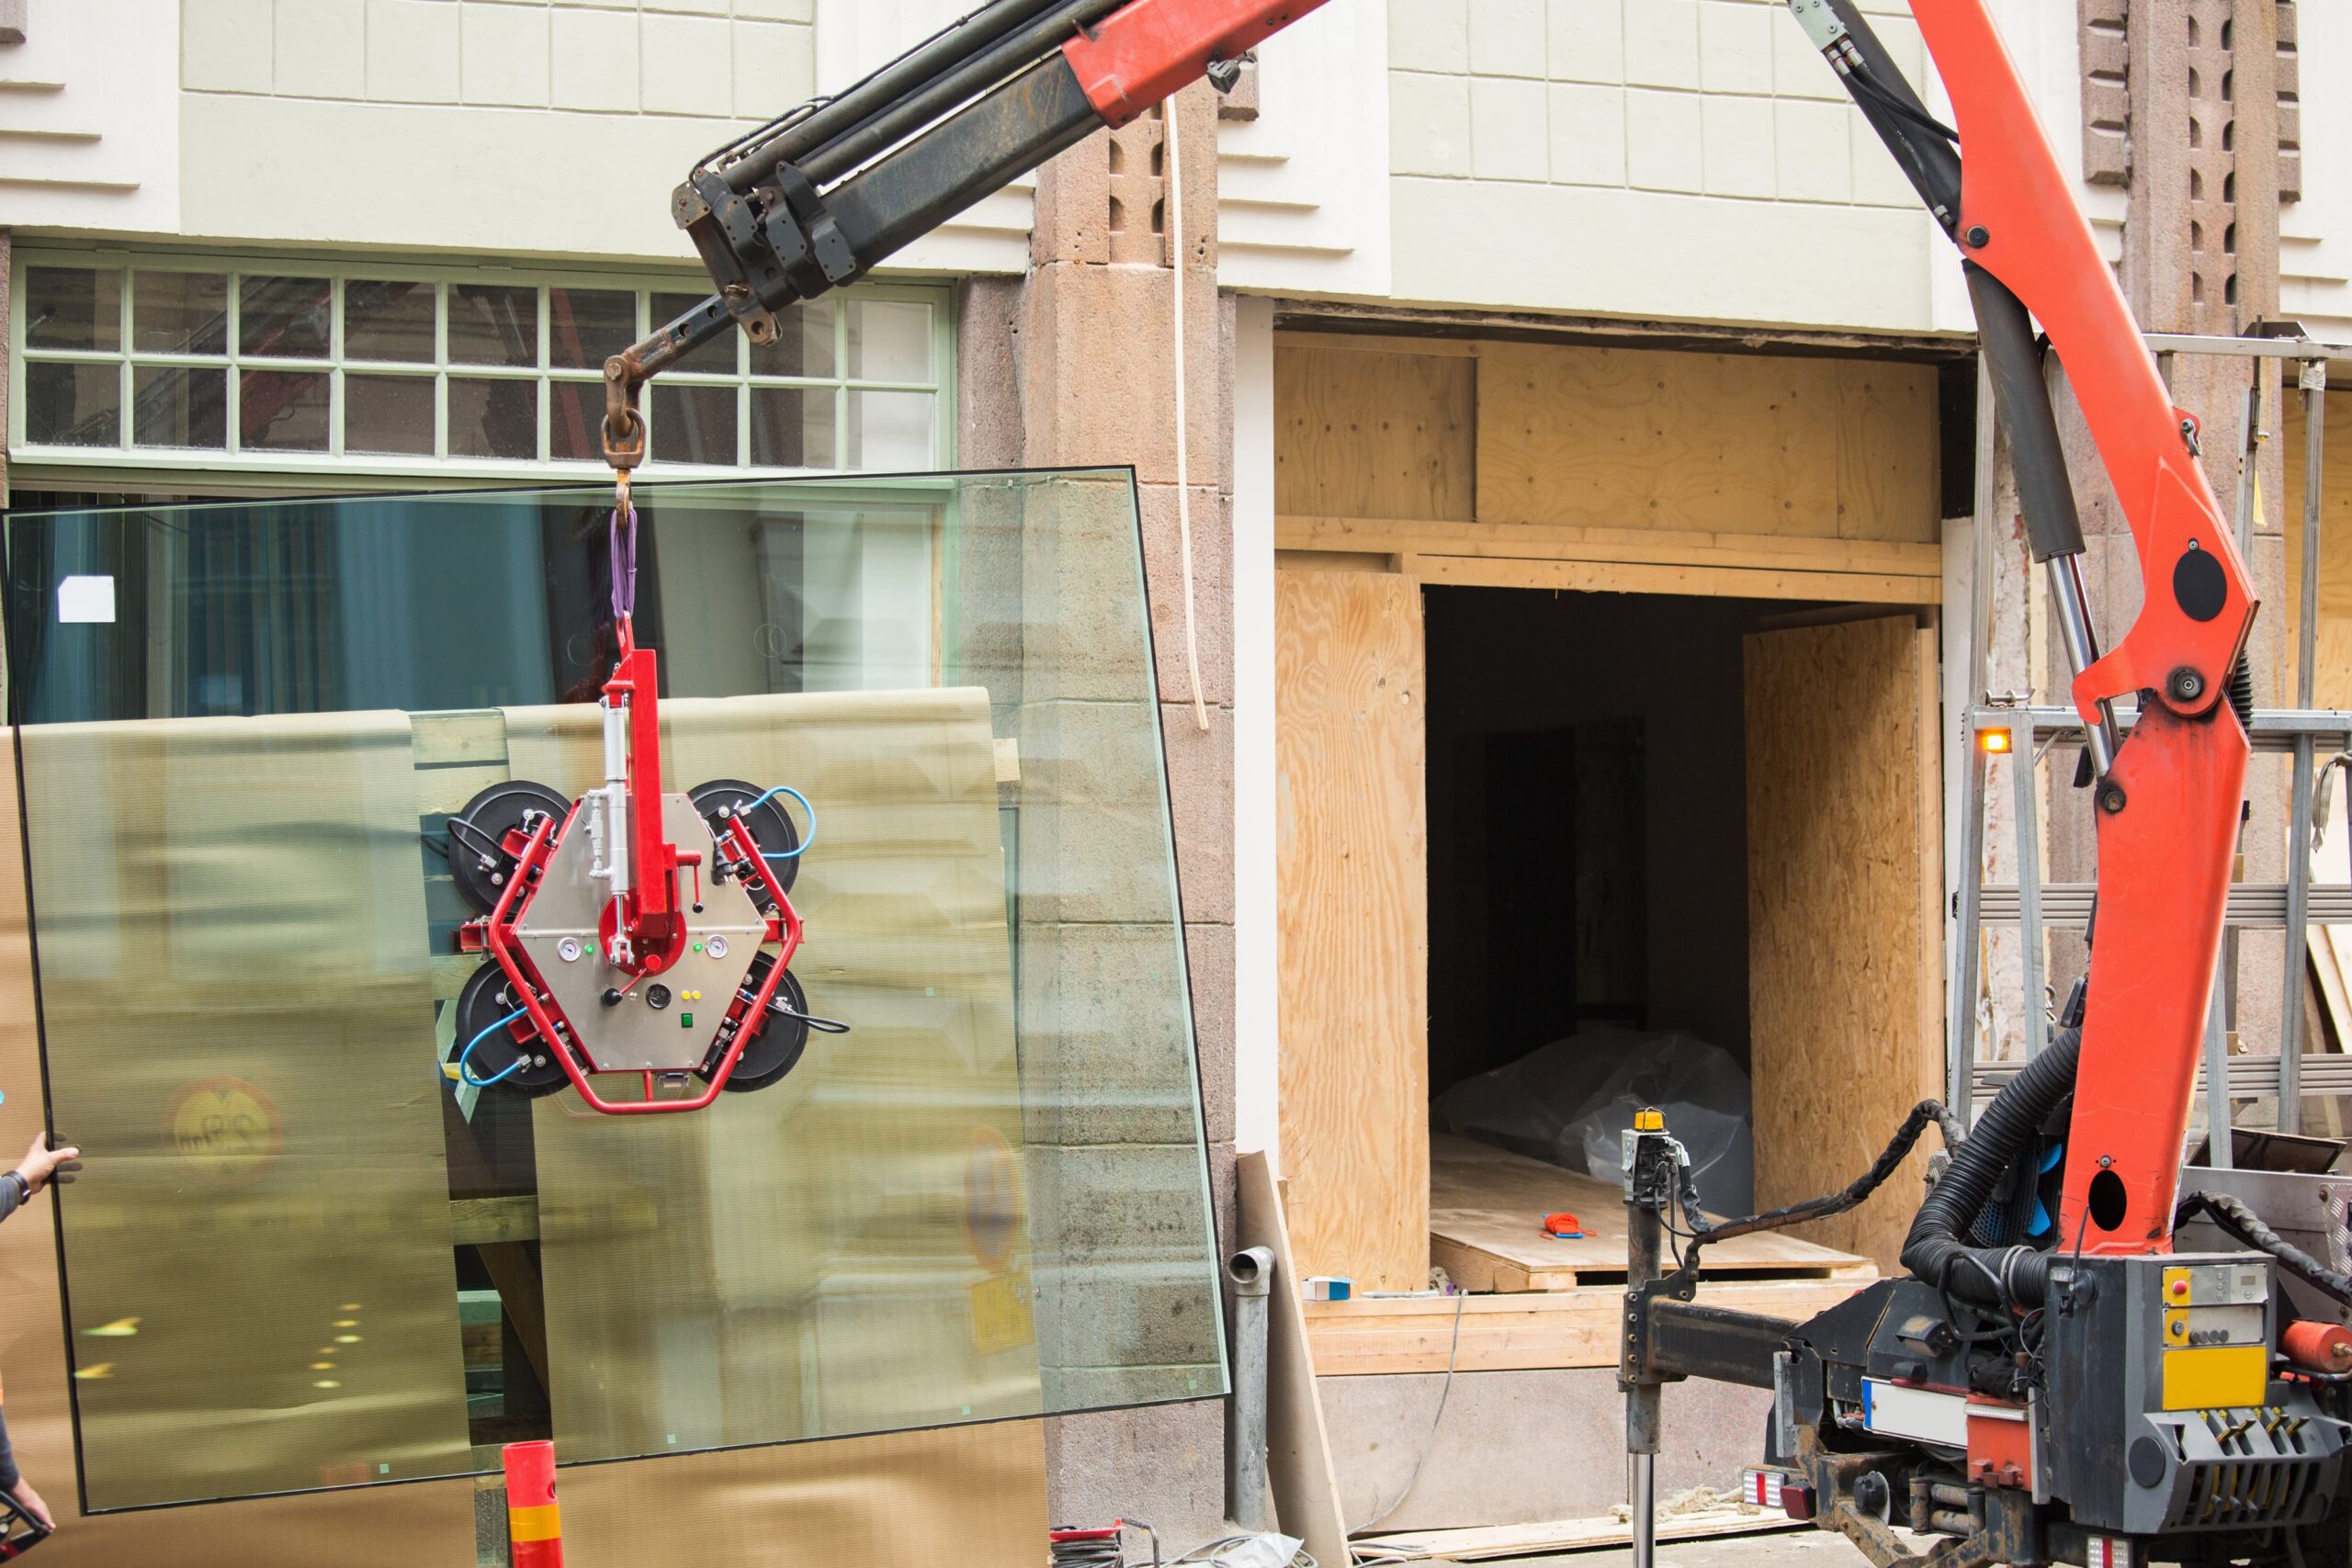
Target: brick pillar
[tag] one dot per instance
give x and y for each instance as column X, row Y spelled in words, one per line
column 1092, row 360
column 2188, row 105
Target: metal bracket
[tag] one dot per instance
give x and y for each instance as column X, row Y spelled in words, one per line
column 808, row 244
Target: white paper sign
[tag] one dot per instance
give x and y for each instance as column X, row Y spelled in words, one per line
column 85, row 598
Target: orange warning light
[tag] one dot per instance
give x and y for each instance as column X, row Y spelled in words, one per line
column 1995, row 741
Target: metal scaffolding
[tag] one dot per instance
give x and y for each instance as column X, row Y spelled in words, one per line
column 2036, row 732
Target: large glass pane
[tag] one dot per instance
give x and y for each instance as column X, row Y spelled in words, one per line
column 73, row 307
column 389, row 321
column 792, row 427
column 891, row 431
column 310, row 1260
column 179, row 406
column 804, row 344
column 494, row 418
column 575, row 419
column 495, row 324
column 692, row 425
column 889, row 340
column 587, row 326
column 283, row 411
column 387, row 413
column 285, row 318
column 73, row 404
column 180, row 312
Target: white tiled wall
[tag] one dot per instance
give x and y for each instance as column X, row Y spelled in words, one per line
column 742, row 58
column 1712, row 98
column 1710, row 129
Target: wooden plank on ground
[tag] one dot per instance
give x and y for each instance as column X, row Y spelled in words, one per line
column 1351, row 845
column 1298, row 1449
column 1487, row 1207
column 1373, row 434
column 1541, row 1330
column 1845, row 932
column 1567, row 1535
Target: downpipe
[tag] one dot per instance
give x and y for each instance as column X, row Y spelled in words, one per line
column 1251, row 1272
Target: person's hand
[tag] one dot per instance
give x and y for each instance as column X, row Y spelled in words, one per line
column 42, row 1164
column 29, row 1501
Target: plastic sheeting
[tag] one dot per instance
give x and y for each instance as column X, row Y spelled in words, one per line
column 1571, row 1102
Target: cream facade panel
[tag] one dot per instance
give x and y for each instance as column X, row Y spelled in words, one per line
column 2315, row 234
column 89, row 132
column 1713, row 123
column 1659, row 256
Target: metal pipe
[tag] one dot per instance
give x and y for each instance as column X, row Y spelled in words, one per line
column 896, row 121
column 884, row 87
column 1251, row 1271
column 1644, row 1261
column 2313, row 386
column 1643, row 1484
column 2073, row 605
column 2025, row 778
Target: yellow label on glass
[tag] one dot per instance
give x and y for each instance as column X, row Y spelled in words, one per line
column 1001, row 1314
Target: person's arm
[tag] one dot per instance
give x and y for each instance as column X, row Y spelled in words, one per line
column 40, row 1165
column 19, row 1490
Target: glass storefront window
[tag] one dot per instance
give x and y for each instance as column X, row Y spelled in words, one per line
column 302, row 1257
column 287, row 366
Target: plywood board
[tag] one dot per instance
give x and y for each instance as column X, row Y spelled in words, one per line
column 1615, row 576
column 1568, row 1535
column 1367, row 431
column 1845, row 980
column 1487, row 1207
column 1351, row 845
column 2333, row 669
column 1541, row 1330
column 1299, row 1448
column 1706, row 443
column 1663, row 547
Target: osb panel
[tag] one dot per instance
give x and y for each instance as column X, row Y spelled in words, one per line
column 1361, row 433
column 1351, row 842
column 2332, row 679
column 1707, row 443
column 1845, row 949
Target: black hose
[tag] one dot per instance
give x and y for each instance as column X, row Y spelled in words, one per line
column 1935, row 1250
column 1704, row 1230
column 2246, row 1226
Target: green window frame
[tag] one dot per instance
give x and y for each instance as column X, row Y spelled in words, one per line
column 865, row 386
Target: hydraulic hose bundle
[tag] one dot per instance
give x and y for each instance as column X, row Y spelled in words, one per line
column 1934, row 1250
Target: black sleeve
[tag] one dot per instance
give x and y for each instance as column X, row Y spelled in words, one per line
column 12, row 1197
column 10, row 1475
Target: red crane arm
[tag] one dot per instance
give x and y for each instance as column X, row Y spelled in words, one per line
column 2167, row 811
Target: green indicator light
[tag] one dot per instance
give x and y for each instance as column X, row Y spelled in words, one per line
column 686, row 1021
column 697, row 947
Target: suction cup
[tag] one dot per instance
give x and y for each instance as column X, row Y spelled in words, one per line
column 779, row 1037
column 487, row 996
column 479, row 861
column 771, row 829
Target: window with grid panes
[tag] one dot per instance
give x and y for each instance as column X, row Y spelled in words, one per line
column 181, row 362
